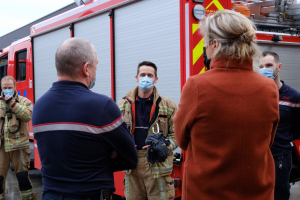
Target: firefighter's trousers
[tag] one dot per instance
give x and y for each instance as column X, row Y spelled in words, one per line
column 140, row 184
column 20, row 160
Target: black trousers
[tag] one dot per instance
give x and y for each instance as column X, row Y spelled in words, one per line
column 283, row 166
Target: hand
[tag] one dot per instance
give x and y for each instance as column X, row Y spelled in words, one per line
column 7, row 97
column 146, row 147
column 113, row 154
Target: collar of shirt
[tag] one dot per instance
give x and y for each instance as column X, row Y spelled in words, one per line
column 69, row 84
column 283, row 88
column 150, row 98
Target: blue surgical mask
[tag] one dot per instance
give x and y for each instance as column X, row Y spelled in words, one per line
column 267, row 72
column 8, row 91
column 146, row 83
column 93, row 83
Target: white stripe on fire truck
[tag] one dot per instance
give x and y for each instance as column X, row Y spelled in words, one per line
column 78, row 127
column 35, row 145
column 290, row 104
column 69, row 14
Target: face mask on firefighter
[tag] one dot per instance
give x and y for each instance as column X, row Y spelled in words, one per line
column 8, row 91
column 93, row 83
column 146, row 83
column 269, row 73
column 206, row 60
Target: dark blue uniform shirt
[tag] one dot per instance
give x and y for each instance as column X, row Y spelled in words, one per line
column 289, row 125
column 76, row 131
column 142, row 109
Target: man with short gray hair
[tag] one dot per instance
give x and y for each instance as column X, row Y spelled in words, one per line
column 81, row 135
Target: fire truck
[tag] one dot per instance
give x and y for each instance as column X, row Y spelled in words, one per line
column 126, row 32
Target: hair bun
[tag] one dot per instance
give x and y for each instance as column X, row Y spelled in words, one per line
column 245, row 39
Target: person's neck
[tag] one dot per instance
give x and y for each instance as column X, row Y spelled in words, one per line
column 278, row 82
column 143, row 94
column 67, row 78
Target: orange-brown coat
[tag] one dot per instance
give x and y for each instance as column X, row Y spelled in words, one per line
column 226, row 121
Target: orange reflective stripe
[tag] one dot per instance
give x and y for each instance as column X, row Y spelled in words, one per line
column 133, row 117
column 152, row 111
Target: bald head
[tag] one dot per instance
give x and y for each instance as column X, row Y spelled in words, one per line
column 72, row 55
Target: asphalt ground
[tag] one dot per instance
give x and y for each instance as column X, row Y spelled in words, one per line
column 12, row 190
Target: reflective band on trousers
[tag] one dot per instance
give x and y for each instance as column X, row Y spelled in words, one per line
column 23, row 161
column 27, row 192
column 161, row 188
column 67, row 126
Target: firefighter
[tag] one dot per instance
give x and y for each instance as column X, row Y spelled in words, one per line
column 146, row 113
column 15, row 114
column 288, row 128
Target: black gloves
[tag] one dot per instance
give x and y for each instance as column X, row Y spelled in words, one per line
column 158, row 151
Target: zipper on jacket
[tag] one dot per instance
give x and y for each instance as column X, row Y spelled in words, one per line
column 156, row 112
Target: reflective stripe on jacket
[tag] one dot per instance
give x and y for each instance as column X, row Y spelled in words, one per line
column 162, row 113
column 21, row 113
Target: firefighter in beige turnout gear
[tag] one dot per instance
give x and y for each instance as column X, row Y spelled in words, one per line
column 145, row 113
column 15, row 113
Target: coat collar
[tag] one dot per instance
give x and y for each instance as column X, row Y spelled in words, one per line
column 133, row 93
column 70, row 84
column 231, row 62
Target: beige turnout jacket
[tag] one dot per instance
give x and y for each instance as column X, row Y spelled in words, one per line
column 14, row 127
column 162, row 113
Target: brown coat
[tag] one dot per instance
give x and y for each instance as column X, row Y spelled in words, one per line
column 227, row 125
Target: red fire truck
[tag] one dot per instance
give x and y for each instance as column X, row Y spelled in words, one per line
column 126, row 32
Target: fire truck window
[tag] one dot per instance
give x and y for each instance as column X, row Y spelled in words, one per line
column 21, row 65
column 3, row 68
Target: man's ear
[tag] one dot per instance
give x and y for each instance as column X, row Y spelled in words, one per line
column 136, row 78
column 155, row 80
column 84, row 69
column 279, row 67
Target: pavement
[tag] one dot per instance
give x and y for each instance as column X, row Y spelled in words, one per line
column 295, row 191
column 12, row 190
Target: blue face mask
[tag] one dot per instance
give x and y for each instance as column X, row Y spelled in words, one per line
column 93, row 82
column 8, row 91
column 146, row 83
column 267, row 72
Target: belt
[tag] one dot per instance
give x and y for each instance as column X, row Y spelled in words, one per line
column 56, row 196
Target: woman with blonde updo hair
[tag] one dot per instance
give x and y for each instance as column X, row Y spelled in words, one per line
column 227, row 117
